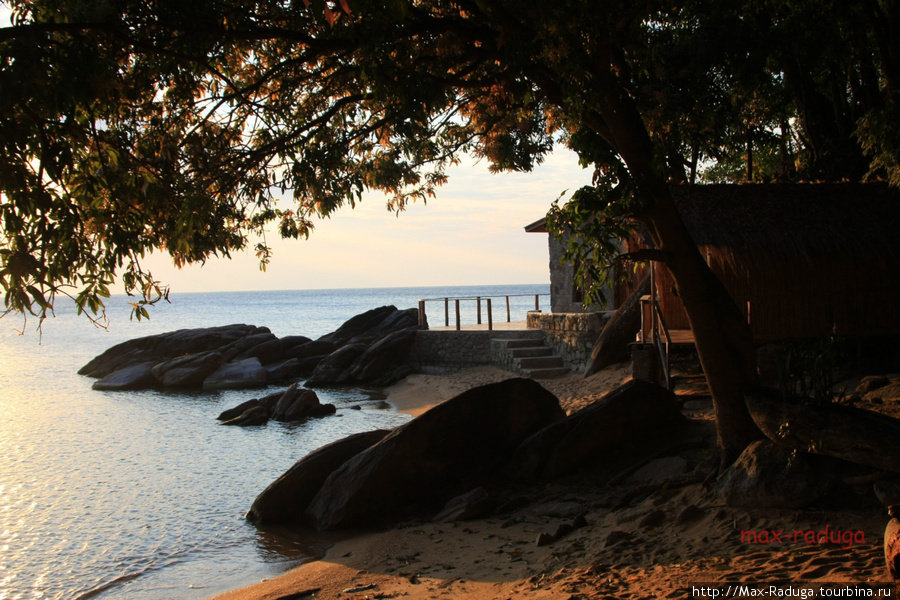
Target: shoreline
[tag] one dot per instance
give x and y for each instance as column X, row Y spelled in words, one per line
column 637, row 542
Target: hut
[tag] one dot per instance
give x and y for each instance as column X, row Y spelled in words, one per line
column 800, row 260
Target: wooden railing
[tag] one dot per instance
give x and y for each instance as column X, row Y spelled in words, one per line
column 656, row 330
column 423, row 319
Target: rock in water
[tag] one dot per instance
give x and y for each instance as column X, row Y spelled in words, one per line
column 287, row 497
column 381, row 359
column 255, row 415
column 166, row 346
column 337, row 366
column 187, row 371
column 299, row 403
column 246, row 373
column 767, row 476
column 135, row 377
column 372, row 325
column 238, row 410
column 452, row 448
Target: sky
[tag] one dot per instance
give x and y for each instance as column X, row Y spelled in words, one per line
column 472, row 233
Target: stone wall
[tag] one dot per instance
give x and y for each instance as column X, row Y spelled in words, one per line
column 571, row 335
column 562, row 283
column 446, row 350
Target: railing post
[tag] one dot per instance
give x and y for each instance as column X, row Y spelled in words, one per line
column 457, row 315
column 537, row 302
column 446, row 312
column 422, row 320
column 507, row 310
column 478, row 312
column 490, row 316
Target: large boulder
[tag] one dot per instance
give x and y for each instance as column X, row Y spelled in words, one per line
column 238, row 410
column 380, row 364
column 856, row 435
column 166, row 346
column 267, row 352
column 287, row 497
column 767, row 475
column 372, row 325
column 452, row 448
column 309, row 349
column 298, row 403
column 246, row 373
column 337, row 366
column 283, row 370
column 187, row 371
column 633, row 422
column 134, row 377
column 255, row 415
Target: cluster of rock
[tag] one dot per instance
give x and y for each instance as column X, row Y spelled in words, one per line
column 369, row 348
column 293, row 404
column 811, row 452
column 448, row 456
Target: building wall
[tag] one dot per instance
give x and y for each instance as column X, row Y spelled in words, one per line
column 562, row 283
column 572, row 336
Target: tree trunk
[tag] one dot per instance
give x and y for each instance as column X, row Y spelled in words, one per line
column 612, row 344
column 721, row 333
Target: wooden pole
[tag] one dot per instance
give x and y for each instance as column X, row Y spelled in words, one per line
column 478, row 299
column 537, row 302
column 507, row 310
column 422, row 314
column 490, row 316
column 446, row 312
column 457, row 315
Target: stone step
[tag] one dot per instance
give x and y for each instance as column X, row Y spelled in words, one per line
column 540, row 362
column 550, row 373
column 524, row 343
column 530, row 352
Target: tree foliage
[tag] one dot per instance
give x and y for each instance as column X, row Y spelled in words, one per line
column 129, row 126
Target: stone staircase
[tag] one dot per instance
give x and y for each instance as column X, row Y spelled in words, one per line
column 530, row 358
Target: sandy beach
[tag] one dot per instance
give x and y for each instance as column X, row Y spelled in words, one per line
column 634, row 539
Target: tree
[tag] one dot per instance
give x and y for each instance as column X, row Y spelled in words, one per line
column 129, row 126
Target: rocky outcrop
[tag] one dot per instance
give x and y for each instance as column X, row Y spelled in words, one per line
column 373, row 348
column 769, row 476
column 298, row 403
column 134, row 377
column 287, row 497
column 852, row 434
column 369, row 349
column 254, row 415
column 166, row 346
column 241, row 373
column 372, row 325
column 452, row 448
column 187, row 371
column 293, row 404
column 378, row 364
column 628, row 424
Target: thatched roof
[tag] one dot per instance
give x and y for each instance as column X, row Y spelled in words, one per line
column 791, row 223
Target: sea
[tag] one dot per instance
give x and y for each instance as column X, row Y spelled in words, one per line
column 142, row 495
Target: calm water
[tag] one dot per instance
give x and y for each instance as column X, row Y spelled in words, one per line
column 141, row 494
